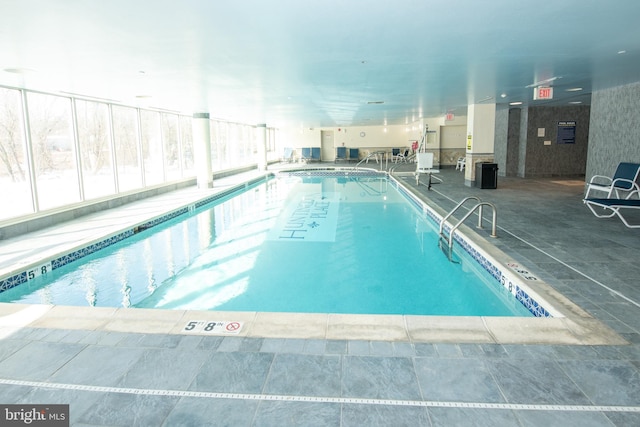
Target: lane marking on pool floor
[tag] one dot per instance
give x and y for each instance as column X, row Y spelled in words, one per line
column 319, row 399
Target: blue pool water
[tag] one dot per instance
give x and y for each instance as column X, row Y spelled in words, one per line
column 330, row 244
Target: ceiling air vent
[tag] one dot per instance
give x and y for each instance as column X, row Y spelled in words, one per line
column 375, row 102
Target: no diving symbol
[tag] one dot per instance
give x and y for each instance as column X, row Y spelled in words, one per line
column 233, row 327
column 212, row 327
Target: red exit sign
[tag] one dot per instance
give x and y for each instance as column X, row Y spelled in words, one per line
column 543, row 92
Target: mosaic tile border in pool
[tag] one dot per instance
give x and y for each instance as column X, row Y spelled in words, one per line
column 494, row 270
column 332, row 172
column 22, row 277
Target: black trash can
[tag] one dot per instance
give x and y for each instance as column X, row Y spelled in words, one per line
column 486, row 175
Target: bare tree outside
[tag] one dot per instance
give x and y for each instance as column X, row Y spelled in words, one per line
column 186, row 137
column 159, row 147
column 125, row 130
column 95, row 149
column 14, row 177
column 171, row 146
column 54, row 150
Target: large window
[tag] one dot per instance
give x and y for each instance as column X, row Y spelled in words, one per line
column 48, row 161
column 219, row 138
column 171, row 146
column 14, row 166
column 151, row 147
column 54, row 150
column 232, row 145
column 125, row 135
column 96, row 157
column 186, row 138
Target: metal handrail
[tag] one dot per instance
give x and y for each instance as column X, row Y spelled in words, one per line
column 455, row 209
column 478, row 207
column 372, row 154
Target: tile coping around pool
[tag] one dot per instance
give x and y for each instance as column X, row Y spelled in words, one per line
column 571, row 325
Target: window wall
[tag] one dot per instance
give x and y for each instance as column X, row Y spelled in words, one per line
column 126, row 137
column 15, row 179
column 185, row 144
column 57, row 150
column 96, row 154
column 233, row 145
column 54, row 151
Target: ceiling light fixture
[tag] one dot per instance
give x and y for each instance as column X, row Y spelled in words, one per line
column 18, row 70
column 516, row 103
column 622, row 52
column 575, row 102
column 542, row 82
column 503, row 95
column 573, row 89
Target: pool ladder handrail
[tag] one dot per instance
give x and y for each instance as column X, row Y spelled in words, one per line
column 371, row 155
column 478, row 207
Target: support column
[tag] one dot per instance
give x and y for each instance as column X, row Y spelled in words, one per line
column 481, row 124
column 202, row 149
column 261, row 131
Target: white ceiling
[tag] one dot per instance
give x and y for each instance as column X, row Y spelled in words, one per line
column 316, row 63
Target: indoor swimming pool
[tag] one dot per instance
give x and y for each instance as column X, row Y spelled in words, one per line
column 298, row 242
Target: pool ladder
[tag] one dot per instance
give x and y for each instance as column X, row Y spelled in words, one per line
column 448, row 239
column 384, row 160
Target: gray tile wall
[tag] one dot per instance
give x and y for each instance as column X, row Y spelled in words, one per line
column 501, row 138
column 614, row 135
column 556, row 159
column 513, row 142
column 522, row 145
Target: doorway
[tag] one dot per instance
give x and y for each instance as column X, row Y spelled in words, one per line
column 328, row 151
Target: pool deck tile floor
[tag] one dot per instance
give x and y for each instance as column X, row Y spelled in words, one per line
column 127, row 367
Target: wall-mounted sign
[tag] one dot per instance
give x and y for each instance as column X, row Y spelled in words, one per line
column 543, row 92
column 449, row 117
column 566, row 132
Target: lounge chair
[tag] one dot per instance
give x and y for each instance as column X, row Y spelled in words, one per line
column 287, row 155
column 354, row 154
column 341, row 153
column 399, row 154
column 306, row 154
column 461, row 163
column 425, row 165
column 613, row 207
column 624, row 180
column 369, row 155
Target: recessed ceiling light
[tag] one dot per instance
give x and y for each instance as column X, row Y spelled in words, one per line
column 621, row 52
column 503, row 95
column 18, row 70
column 545, row 81
column 516, row 103
column 574, row 89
